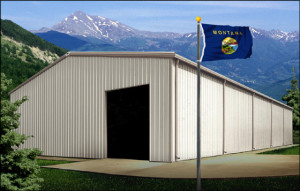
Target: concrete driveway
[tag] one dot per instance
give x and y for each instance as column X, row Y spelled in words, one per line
column 248, row 164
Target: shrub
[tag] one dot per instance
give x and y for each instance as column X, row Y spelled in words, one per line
column 19, row 168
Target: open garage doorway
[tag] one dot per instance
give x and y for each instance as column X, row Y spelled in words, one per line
column 128, row 123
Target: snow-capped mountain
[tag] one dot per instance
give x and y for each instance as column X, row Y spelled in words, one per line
column 84, row 25
column 275, row 34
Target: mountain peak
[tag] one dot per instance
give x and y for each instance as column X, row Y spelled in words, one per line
column 79, row 13
column 275, row 34
column 42, row 30
column 82, row 24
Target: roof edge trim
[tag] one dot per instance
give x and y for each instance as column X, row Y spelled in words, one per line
column 126, row 54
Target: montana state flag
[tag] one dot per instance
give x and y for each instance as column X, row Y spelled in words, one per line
column 226, row 42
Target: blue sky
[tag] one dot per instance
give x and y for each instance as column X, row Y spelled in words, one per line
column 171, row 16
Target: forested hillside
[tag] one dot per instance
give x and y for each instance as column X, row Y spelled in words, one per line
column 23, row 54
column 276, row 89
column 19, row 34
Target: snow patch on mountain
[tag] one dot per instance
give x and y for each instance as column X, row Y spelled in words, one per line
column 89, row 18
column 275, row 34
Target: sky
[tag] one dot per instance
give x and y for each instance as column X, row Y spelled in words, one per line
column 159, row 16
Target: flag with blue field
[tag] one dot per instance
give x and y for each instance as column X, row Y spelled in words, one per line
column 226, row 42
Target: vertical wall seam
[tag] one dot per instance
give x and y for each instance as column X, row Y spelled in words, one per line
column 176, row 110
column 150, row 112
column 283, row 126
column 271, row 123
column 170, row 111
column 253, row 121
column 105, row 126
column 224, row 86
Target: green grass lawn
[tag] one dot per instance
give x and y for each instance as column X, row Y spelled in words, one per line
column 42, row 162
column 285, row 151
column 56, row 179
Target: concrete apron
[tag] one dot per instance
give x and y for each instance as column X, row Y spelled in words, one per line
column 226, row 166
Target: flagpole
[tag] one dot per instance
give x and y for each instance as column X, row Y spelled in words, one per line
column 198, row 107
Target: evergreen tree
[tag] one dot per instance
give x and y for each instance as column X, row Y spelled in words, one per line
column 19, row 168
column 292, row 99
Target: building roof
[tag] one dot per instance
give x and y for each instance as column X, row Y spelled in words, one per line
column 152, row 55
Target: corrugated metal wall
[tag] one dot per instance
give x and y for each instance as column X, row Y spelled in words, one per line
column 66, row 111
column 240, row 106
column 262, row 123
column 277, row 125
column 238, row 120
column 211, row 113
column 288, row 127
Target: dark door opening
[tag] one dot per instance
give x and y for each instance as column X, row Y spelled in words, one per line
column 128, row 123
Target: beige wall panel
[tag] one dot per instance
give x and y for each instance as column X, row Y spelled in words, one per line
column 172, row 110
column 238, row 120
column 159, row 110
column 262, row 123
column 187, row 111
column 67, row 108
column 211, row 116
column 288, row 127
column 277, row 125
column 211, row 113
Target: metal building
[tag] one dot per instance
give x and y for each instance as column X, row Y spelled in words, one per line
column 68, row 104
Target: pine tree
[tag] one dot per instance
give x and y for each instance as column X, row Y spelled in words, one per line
column 292, row 99
column 19, row 169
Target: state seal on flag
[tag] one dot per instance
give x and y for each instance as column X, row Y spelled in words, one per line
column 229, row 45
